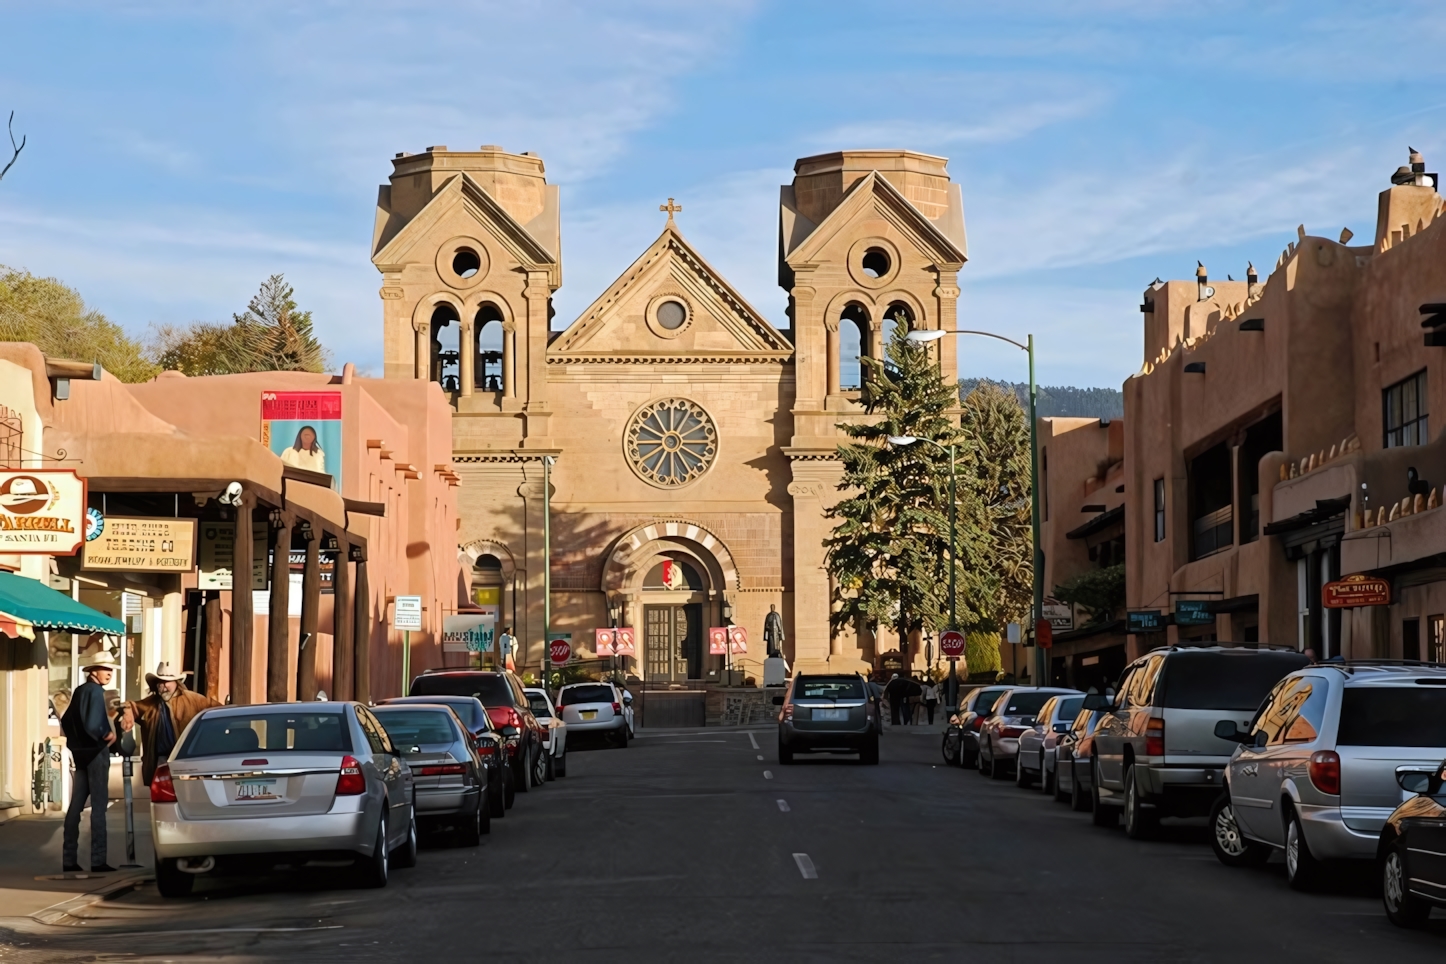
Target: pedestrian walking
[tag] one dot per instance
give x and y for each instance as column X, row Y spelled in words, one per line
column 914, row 694
column 897, row 692
column 163, row 715
column 89, row 735
column 931, row 697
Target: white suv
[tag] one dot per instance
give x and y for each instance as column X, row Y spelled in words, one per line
column 597, row 708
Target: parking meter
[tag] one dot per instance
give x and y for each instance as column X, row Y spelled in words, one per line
column 125, row 747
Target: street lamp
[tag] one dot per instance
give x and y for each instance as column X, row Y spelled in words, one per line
column 934, row 334
column 904, row 440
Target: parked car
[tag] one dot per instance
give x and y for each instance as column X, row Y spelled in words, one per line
column 961, row 736
column 318, row 782
column 1013, row 714
column 827, row 714
column 1315, row 770
column 1413, row 848
column 556, row 745
column 491, row 745
column 1072, row 760
column 597, row 708
column 1156, row 752
column 501, row 692
column 449, row 778
column 1035, row 760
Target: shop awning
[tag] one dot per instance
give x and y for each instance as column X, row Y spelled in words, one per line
column 47, row 609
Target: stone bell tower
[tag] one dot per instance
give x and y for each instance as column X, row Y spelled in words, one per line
column 468, row 246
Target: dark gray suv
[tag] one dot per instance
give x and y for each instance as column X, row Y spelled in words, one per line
column 827, row 714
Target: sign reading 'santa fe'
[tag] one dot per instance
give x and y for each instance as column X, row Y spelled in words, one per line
column 42, row 511
column 1357, row 590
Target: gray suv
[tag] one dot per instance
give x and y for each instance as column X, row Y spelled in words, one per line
column 1316, row 771
column 1155, row 752
column 827, row 714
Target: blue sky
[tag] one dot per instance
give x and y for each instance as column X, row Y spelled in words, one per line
column 181, row 152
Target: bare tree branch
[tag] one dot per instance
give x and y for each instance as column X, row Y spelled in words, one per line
column 15, row 147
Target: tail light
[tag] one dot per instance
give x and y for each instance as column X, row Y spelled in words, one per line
column 351, row 782
column 617, row 709
column 1325, row 771
column 978, row 724
column 1013, row 731
column 444, row 770
column 514, row 718
column 787, row 713
column 1155, row 737
column 486, row 749
column 162, row 789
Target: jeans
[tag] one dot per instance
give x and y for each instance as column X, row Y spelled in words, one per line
column 908, row 713
column 930, row 704
column 91, row 781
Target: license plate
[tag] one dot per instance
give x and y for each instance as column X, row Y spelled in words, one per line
column 830, row 715
column 253, row 791
column 588, row 714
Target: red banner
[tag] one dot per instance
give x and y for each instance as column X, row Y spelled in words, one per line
column 717, row 641
column 1357, row 590
column 737, row 640
column 616, row 641
column 299, row 406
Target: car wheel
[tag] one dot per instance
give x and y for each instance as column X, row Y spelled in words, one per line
column 1022, row 779
column 540, row 765
column 1060, row 794
column 623, row 738
column 171, row 881
column 869, row 752
column 1302, row 870
column 1232, row 848
column 785, row 752
column 469, row 832
column 979, row 760
column 559, row 766
column 1140, row 822
column 996, row 767
column 950, row 748
column 1403, row 908
column 407, row 852
column 509, row 787
column 377, row 868
column 495, row 802
column 1102, row 816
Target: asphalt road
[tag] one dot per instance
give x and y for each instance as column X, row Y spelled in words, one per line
column 694, row 844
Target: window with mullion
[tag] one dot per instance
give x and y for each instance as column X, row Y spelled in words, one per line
column 1404, row 408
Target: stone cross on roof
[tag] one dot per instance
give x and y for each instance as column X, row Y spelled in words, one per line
column 671, row 208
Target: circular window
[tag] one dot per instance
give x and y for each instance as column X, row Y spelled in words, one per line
column 465, row 263
column 670, row 442
column 671, row 315
column 876, row 262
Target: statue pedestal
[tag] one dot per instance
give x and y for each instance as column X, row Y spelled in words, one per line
column 775, row 671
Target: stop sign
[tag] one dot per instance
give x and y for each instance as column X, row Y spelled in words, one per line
column 951, row 644
column 1043, row 634
column 560, row 650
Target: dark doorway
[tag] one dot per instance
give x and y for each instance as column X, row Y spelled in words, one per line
column 1410, row 639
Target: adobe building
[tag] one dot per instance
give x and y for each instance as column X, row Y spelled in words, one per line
column 693, row 439
column 1279, row 438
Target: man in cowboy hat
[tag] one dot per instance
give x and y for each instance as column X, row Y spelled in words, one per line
column 88, row 735
column 163, row 715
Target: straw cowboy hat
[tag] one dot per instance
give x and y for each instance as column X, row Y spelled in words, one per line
column 166, row 673
column 101, row 660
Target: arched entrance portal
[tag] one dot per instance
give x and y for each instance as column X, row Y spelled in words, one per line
column 670, row 581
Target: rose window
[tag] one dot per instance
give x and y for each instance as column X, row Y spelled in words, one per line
column 671, row 442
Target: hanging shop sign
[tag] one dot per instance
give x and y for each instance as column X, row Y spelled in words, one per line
column 470, row 632
column 1144, row 621
column 215, row 555
column 143, row 545
column 42, row 511
column 1193, row 612
column 1357, row 590
column 615, row 641
column 1059, row 614
column 326, row 568
column 304, row 429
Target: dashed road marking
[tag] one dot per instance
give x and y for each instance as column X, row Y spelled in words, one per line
column 783, row 805
column 760, row 756
column 805, row 866
column 768, row 774
column 754, row 740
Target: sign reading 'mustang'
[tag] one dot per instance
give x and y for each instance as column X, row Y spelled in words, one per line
column 1357, row 590
column 143, row 545
column 42, row 511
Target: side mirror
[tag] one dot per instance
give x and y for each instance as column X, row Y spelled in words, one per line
column 1095, row 700
column 1414, row 781
column 1230, row 730
column 627, row 699
column 778, row 701
column 509, row 731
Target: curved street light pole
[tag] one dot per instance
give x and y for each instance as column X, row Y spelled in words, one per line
column 934, row 334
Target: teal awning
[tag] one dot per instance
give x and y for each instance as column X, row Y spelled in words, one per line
column 49, row 609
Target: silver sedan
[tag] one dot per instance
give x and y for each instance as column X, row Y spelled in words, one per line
column 292, row 784
column 451, row 779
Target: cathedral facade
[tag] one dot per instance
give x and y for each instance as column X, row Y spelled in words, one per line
column 691, row 441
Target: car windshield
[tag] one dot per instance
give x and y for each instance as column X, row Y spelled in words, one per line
column 408, row 727
column 1394, row 716
column 984, row 703
column 828, row 688
column 490, row 688
column 1069, row 707
column 274, row 732
column 1024, row 704
column 1224, row 681
column 538, row 702
column 472, row 713
column 591, row 693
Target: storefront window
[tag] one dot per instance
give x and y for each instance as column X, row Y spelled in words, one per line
column 60, row 653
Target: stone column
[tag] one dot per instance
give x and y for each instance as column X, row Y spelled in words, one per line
column 809, row 488
column 278, row 649
column 509, row 359
column 342, row 640
column 423, row 361
column 310, row 606
column 467, row 352
column 876, row 340
column 833, row 349
column 811, row 379
column 242, row 618
column 362, row 629
column 946, row 294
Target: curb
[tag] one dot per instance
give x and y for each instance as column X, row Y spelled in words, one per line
column 62, row 914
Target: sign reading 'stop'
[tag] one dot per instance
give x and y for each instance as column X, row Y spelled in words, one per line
column 42, row 511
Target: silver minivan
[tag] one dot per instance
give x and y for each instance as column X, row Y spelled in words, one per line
column 1316, row 772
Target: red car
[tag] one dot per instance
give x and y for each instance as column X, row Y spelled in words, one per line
column 507, row 707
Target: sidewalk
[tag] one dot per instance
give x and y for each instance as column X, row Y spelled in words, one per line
column 30, row 853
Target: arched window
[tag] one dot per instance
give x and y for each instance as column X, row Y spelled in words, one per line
column 488, row 329
column 896, row 315
column 853, row 341
column 673, row 575
column 446, row 333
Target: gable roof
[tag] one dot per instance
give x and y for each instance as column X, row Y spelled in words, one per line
column 462, row 191
column 753, row 332
column 872, row 188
